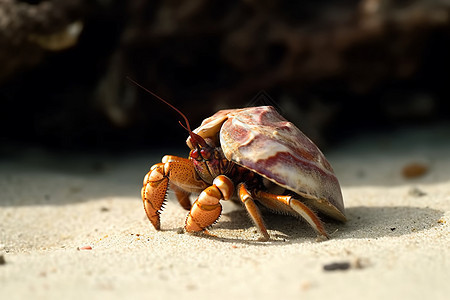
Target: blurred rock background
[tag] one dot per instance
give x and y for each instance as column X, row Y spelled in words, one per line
column 334, row 68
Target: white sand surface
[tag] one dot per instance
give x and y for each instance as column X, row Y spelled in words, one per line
column 397, row 239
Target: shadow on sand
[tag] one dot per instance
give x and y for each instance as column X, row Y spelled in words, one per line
column 363, row 223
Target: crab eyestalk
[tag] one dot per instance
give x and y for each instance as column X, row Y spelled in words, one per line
column 197, row 141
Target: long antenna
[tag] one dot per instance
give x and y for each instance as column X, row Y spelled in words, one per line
column 158, row 97
column 198, row 140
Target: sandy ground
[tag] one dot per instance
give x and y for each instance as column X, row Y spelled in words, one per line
column 394, row 246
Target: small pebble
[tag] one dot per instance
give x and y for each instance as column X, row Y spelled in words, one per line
column 305, row 285
column 84, row 248
column 337, row 266
column 414, row 170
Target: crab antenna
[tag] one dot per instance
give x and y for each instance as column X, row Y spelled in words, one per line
column 195, row 137
column 183, row 125
column 159, row 98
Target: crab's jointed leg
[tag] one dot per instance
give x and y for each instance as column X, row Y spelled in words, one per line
column 253, row 211
column 181, row 173
column 207, row 208
column 284, row 203
column 182, row 196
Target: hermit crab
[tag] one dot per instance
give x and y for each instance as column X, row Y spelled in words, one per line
column 251, row 155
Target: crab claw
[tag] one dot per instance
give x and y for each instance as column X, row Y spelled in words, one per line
column 154, row 192
column 207, row 208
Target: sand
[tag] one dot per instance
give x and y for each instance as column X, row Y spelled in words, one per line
column 72, row 226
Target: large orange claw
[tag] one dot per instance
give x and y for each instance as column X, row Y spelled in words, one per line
column 154, row 192
column 181, row 174
column 207, row 208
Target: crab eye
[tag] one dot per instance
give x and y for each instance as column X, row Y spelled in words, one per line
column 205, row 153
column 194, row 154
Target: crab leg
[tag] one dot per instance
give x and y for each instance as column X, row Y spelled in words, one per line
column 182, row 196
column 253, row 211
column 273, row 201
column 207, row 208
